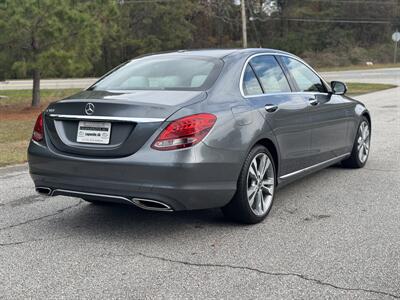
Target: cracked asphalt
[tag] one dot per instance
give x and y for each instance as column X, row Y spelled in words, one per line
column 334, row 234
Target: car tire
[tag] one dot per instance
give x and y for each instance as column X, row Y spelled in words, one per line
column 361, row 147
column 255, row 191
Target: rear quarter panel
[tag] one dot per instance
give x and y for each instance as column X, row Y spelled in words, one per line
column 239, row 125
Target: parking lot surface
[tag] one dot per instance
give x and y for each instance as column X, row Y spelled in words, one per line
column 333, row 234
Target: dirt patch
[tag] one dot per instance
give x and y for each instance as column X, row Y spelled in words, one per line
column 20, row 113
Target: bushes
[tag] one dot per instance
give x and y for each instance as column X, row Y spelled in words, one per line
column 349, row 56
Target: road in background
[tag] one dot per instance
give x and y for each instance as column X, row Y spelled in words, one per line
column 45, row 84
column 387, row 75
column 333, row 234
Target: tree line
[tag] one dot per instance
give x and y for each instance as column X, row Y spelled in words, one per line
column 75, row 38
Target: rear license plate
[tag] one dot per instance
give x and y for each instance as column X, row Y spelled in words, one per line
column 94, row 132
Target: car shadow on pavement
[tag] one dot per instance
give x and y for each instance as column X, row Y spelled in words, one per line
column 118, row 223
column 128, row 221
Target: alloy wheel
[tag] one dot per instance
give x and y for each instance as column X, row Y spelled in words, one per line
column 363, row 142
column 260, row 184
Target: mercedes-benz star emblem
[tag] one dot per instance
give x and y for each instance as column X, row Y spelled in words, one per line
column 89, row 109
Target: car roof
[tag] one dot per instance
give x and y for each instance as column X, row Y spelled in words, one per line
column 220, row 53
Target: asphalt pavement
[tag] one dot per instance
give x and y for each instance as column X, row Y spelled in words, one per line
column 334, row 234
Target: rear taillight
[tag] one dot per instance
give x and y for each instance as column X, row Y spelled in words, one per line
column 38, row 132
column 184, row 132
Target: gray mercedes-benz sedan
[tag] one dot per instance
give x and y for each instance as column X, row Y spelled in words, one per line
column 198, row 129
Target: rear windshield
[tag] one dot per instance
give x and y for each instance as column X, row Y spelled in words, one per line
column 163, row 73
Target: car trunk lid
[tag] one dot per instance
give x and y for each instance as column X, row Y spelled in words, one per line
column 133, row 117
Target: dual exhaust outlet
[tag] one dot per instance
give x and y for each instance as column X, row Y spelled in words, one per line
column 44, row 191
column 146, row 204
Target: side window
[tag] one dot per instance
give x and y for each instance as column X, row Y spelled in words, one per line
column 250, row 83
column 269, row 72
column 306, row 80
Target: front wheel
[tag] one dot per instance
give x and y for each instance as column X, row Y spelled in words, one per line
column 360, row 152
column 256, row 188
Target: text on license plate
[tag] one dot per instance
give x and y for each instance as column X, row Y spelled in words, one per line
column 94, row 132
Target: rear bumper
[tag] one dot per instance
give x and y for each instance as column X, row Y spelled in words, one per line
column 197, row 178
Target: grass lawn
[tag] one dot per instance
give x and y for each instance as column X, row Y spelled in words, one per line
column 355, row 88
column 23, row 98
column 17, row 117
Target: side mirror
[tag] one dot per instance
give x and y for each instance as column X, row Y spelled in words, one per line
column 338, row 87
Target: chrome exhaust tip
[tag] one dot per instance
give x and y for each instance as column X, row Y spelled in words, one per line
column 44, row 190
column 151, row 204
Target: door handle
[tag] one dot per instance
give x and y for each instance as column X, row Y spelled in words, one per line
column 271, row 107
column 313, row 101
